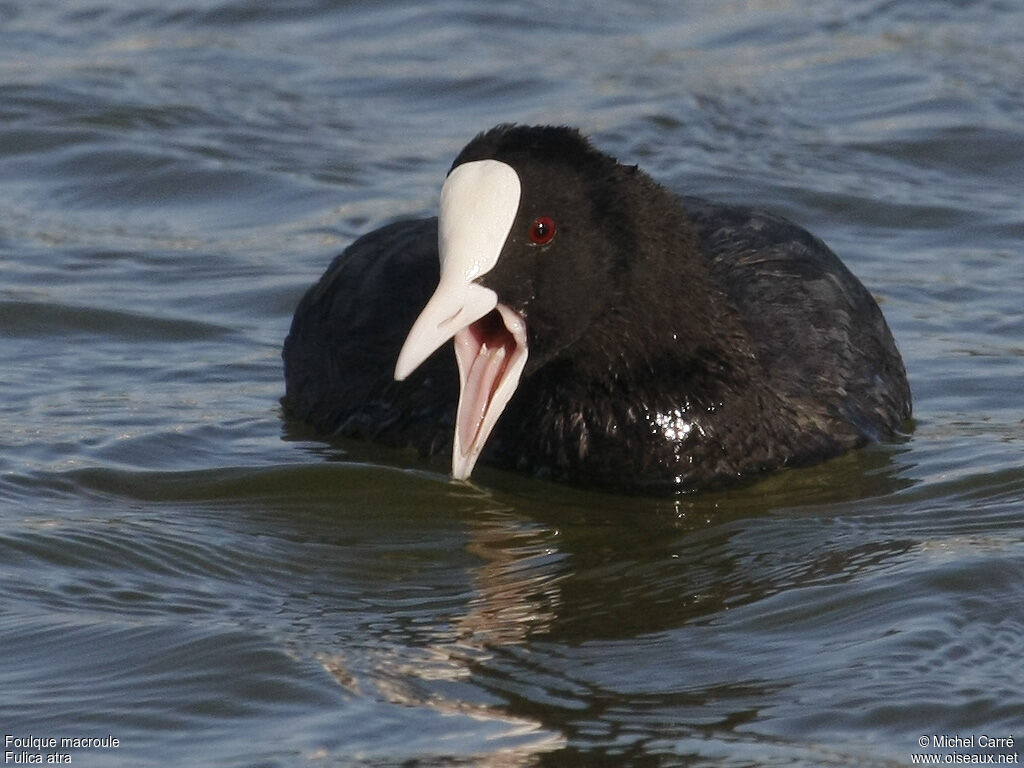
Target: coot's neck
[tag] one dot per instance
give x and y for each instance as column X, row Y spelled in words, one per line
column 667, row 317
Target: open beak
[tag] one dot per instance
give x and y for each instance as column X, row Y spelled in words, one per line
column 478, row 205
column 491, row 351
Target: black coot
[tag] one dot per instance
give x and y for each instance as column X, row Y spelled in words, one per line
column 607, row 331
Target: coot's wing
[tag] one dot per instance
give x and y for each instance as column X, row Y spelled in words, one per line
column 340, row 354
column 818, row 332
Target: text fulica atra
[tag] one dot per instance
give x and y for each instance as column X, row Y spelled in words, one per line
column 607, row 331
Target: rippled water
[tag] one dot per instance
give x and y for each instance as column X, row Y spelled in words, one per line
column 186, row 572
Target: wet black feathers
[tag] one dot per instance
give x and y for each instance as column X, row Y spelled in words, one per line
column 703, row 342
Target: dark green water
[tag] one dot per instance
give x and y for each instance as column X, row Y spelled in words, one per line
column 184, row 571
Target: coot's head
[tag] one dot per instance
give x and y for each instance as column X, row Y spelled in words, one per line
column 532, row 230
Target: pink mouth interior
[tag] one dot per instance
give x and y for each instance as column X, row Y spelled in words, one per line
column 488, row 346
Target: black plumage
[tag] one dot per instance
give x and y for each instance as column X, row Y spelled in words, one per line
column 674, row 343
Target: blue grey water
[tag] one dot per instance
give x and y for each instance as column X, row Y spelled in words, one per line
column 183, row 570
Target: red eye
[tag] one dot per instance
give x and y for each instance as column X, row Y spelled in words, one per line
column 542, row 231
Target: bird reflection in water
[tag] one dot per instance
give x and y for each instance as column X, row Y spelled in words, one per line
column 513, row 593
